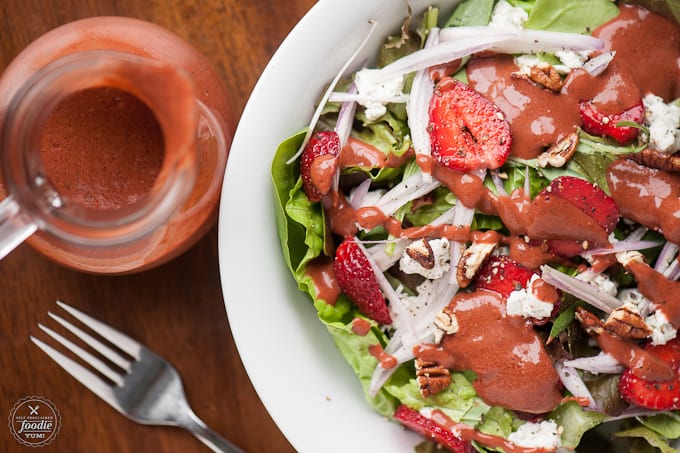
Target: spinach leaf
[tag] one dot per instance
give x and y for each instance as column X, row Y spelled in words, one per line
column 471, row 12
column 573, row 16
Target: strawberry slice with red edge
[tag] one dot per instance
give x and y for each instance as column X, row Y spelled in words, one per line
column 467, row 131
column 503, row 275
column 590, row 199
column 430, row 429
column 355, row 277
column 596, row 123
column 661, row 396
column 319, row 158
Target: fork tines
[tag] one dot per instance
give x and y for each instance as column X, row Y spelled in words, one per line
column 81, row 373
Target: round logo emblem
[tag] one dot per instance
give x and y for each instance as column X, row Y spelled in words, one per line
column 34, row 421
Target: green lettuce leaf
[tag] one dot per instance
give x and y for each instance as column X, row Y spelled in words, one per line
column 354, row 348
column 667, row 8
column 470, row 13
column 575, row 421
column 459, row 400
column 572, row 16
column 652, row 437
column 285, row 177
column 667, row 425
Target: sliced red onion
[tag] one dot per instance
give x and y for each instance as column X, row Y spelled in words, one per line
column 602, row 363
column 633, row 412
column 356, row 199
column 666, row 255
column 386, row 260
column 444, row 52
column 330, row 89
column 532, row 41
column 584, row 291
column 348, row 97
column 527, row 182
column 498, row 183
column 596, row 65
column 343, row 127
column 402, row 354
column 418, row 105
column 574, row 384
column 526, row 40
column 672, row 272
column 407, row 190
column 392, row 296
column 622, row 246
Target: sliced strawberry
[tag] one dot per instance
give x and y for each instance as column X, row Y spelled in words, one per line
column 661, row 396
column 467, row 131
column 503, row 275
column 596, row 123
column 318, row 163
column 590, row 199
column 430, row 429
column 357, row 280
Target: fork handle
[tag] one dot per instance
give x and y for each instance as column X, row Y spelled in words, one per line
column 206, row 435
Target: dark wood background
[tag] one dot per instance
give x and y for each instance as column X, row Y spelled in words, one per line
column 176, row 309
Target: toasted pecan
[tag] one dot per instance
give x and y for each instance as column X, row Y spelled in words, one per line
column 432, row 377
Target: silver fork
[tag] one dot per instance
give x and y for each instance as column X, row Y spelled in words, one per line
column 148, row 391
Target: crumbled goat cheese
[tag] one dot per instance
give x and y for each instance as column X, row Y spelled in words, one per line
column 599, row 281
column 545, row 435
column 663, row 121
column 367, row 86
column 662, row 330
column 633, row 298
column 573, row 59
column 440, row 250
column 523, row 302
column 505, row 15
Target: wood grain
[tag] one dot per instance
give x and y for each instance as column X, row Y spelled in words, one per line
column 176, row 309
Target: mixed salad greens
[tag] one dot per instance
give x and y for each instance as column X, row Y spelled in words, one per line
column 384, row 280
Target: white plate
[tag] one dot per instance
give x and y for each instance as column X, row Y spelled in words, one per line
column 303, row 381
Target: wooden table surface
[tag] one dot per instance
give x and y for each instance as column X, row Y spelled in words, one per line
column 176, row 309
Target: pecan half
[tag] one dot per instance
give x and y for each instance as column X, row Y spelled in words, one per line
column 559, row 153
column 421, row 252
column 543, row 75
column 657, row 159
column 446, row 324
column 627, row 323
column 471, row 260
column 591, row 323
column 432, row 377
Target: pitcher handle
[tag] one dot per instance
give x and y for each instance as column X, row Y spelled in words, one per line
column 15, row 226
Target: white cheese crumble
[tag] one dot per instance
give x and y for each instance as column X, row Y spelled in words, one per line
column 367, row 86
column 663, row 121
column 633, row 299
column 545, row 434
column 440, row 250
column 523, row 302
column 600, row 281
column 504, row 15
column 662, row 330
column 573, row 59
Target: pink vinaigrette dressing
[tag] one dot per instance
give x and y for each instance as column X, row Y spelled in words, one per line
column 125, row 130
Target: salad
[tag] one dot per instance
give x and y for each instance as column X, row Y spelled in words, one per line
column 487, row 220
